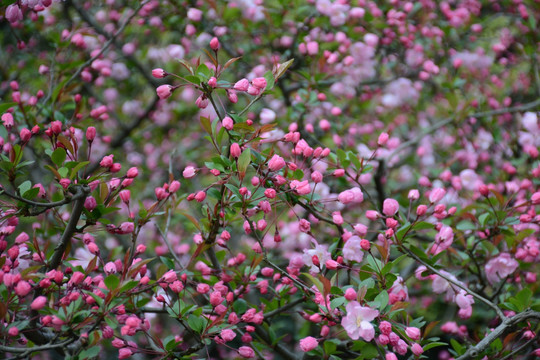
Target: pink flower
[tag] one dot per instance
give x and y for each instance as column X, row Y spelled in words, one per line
column 189, row 172
column 235, row 150
column 417, row 349
column 309, row 343
column 390, row 207
column 7, row 119
column 436, row 195
column 200, row 196
column 443, row 240
column 14, row 13
column 320, row 252
column 357, row 322
column 301, row 187
column 500, row 267
column 159, row 73
column 227, row 123
column 242, row 85
column 214, row 44
column 352, row 250
column 413, row 333
column 227, row 334
column 259, row 83
column 350, row 294
column 175, row 185
column 124, row 353
column 25, row 135
column 23, row 288
column 107, row 161
column 383, row 138
column 38, row 303
column 164, row 91
column 276, row 163
column 413, row 195
column 246, row 352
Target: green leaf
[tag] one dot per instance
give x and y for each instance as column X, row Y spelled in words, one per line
column 58, row 156
column 403, row 230
column 168, row 262
column 24, row 187
column 243, row 161
column 206, row 125
column 482, row 219
column 337, row 302
column 90, row 352
column 196, row 323
column 112, row 282
column 204, row 71
column 5, row 106
column 193, row 79
column 465, row 225
column 282, row 68
column 240, row 306
column 269, row 80
column 434, row 345
column 30, row 194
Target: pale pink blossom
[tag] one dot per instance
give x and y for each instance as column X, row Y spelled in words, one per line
column 357, row 321
column 500, row 267
column 352, row 250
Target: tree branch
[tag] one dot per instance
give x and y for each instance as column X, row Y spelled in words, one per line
column 507, row 324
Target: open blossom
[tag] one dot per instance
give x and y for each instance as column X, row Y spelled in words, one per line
column 320, row 252
column 352, row 250
column 500, row 267
column 357, row 322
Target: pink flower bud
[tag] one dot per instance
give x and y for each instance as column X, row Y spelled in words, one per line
column 235, row 150
column 25, row 135
column 200, row 196
column 316, row 177
column 413, row 195
column 436, row 195
column 22, row 288
column 309, row 343
column 125, row 195
column 276, row 163
column 413, row 333
column 242, row 85
column 270, row 193
column 38, row 303
column 90, row 203
column 417, row 349
column 90, row 133
column 421, row 210
column 390, row 207
column 164, row 91
column 116, row 167
column 227, row 123
column 107, row 161
column 383, row 139
column 246, row 352
column 159, row 73
column 214, row 44
column 175, row 185
column 259, row 83
column 133, row 172
column 56, row 127
column 350, row 294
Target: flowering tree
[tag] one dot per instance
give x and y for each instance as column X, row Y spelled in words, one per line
column 305, row 179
